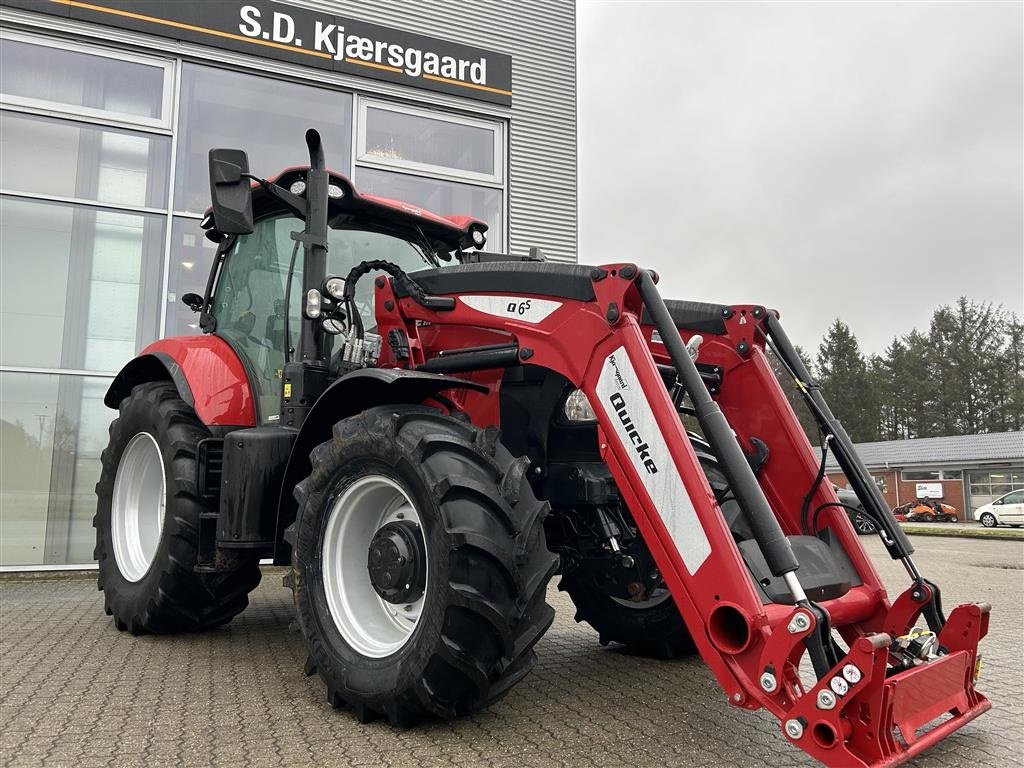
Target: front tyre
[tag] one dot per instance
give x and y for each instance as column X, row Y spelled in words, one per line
column 989, row 520
column 147, row 522
column 419, row 565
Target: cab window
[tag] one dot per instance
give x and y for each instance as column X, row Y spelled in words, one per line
column 249, row 299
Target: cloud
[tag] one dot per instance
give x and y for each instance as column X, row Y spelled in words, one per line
column 863, row 161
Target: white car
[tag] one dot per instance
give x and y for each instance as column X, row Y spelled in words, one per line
column 1006, row 510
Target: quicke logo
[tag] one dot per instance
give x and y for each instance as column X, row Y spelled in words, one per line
column 641, row 447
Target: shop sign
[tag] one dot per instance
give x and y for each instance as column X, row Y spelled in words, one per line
column 929, row 490
column 302, row 36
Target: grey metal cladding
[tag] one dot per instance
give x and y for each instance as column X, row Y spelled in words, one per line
column 540, row 35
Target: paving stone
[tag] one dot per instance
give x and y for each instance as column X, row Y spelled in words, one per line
column 76, row 692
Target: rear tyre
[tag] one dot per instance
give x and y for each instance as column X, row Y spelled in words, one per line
column 147, row 522
column 989, row 520
column 653, row 626
column 419, row 565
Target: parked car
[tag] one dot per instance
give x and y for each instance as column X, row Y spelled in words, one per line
column 1006, row 510
column 925, row 511
column 862, row 524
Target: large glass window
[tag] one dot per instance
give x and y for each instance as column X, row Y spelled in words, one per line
column 987, row 486
column 95, row 83
column 265, row 117
column 408, row 138
column 441, row 197
column 79, row 284
column 83, row 161
column 89, row 273
column 52, row 431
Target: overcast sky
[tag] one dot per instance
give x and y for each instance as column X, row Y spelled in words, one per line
column 862, row 160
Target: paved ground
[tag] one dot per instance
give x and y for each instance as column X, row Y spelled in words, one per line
column 75, row 692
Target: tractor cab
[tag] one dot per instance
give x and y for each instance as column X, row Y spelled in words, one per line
column 255, row 298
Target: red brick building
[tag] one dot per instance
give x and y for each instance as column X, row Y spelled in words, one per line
column 965, row 471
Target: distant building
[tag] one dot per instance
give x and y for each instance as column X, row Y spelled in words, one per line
column 966, row 471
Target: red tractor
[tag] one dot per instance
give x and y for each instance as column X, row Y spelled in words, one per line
column 426, row 434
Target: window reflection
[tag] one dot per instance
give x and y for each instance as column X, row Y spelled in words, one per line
column 445, row 198
column 76, row 79
column 84, row 280
column 83, row 161
column 52, row 431
column 268, row 118
column 409, row 138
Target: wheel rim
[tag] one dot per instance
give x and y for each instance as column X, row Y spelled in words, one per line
column 138, row 505
column 987, row 520
column 369, row 623
column 864, row 525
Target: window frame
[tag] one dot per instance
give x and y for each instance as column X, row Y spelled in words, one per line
column 496, row 127
column 107, row 117
column 953, row 474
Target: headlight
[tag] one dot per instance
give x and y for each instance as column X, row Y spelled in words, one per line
column 577, row 408
column 297, row 187
column 478, row 238
column 313, row 303
column 335, row 287
column 335, row 192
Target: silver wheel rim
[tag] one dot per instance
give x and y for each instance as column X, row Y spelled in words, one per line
column 988, row 520
column 138, row 505
column 371, row 625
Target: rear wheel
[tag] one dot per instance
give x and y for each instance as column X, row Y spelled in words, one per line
column 419, row 565
column 989, row 520
column 147, row 522
column 649, row 624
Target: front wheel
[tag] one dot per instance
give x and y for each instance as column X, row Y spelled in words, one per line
column 147, row 522
column 419, row 565
column 989, row 520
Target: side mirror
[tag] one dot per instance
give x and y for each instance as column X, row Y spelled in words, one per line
column 230, row 191
column 193, row 301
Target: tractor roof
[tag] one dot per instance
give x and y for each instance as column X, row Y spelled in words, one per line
column 448, row 232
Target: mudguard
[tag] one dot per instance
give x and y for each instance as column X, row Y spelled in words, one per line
column 346, row 397
column 208, row 373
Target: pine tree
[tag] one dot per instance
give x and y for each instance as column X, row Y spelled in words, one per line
column 793, row 395
column 967, row 341
column 843, row 375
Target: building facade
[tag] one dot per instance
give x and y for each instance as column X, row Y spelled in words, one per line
column 965, row 471
column 107, row 112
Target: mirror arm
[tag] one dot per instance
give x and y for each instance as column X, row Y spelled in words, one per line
column 294, row 202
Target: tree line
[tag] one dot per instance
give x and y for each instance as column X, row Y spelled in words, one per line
column 963, row 376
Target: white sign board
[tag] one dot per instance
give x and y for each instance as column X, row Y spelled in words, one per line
column 929, row 490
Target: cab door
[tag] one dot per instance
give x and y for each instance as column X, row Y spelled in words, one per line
column 249, row 305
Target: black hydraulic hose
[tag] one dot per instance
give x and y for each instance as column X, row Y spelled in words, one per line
column 896, row 541
column 778, row 553
column 406, row 285
column 288, row 304
column 805, row 507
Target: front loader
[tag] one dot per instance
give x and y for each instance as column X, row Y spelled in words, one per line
column 426, row 433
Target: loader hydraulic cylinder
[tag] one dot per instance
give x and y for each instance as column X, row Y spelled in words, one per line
column 778, row 553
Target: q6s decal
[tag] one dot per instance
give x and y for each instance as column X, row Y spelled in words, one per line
column 523, row 308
